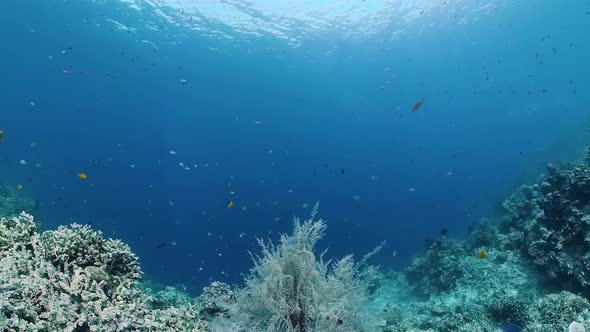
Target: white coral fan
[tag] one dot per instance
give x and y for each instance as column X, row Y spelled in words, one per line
column 291, row 289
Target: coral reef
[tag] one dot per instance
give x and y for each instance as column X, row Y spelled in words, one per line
column 527, row 270
column 536, row 252
column 555, row 312
column 167, row 297
column 80, row 246
column 440, row 269
column 73, row 279
column 550, row 222
column 13, row 202
column 215, row 298
column 475, row 295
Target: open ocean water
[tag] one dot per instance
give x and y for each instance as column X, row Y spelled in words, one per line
column 188, row 129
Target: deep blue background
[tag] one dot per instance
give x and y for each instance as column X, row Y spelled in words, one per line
column 499, row 104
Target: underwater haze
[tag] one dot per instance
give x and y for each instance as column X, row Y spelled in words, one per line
column 188, row 129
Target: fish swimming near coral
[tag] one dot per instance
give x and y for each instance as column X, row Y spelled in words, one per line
column 19, row 187
column 82, row 176
column 417, row 105
column 481, row 254
column 161, row 245
column 230, row 204
column 1, row 135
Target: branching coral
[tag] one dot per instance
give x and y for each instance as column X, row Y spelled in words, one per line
column 80, row 246
column 73, row 279
column 119, row 260
column 16, row 231
column 75, row 244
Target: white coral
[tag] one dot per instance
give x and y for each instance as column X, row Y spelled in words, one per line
column 291, row 289
column 576, row 327
column 61, row 282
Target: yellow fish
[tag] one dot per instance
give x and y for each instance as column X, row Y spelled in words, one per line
column 19, row 187
column 481, row 254
column 1, row 135
column 230, row 204
column 82, row 176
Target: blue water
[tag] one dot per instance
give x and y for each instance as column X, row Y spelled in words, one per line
column 284, row 118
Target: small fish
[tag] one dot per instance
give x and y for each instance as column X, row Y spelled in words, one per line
column 161, row 245
column 417, row 105
column 444, row 232
column 82, row 176
column 291, row 242
column 481, row 254
column 19, row 187
column 1, row 135
column 230, row 204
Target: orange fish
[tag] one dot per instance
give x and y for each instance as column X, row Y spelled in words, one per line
column 417, row 105
column 230, row 204
column 82, row 176
column 481, row 254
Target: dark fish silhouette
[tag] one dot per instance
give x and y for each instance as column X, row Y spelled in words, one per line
column 417, row 105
